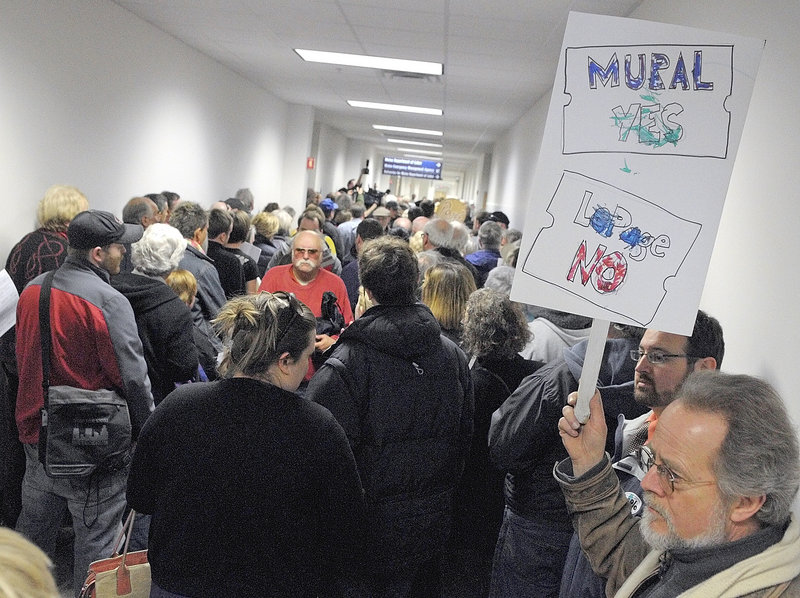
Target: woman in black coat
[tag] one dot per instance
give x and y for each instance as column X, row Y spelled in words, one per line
column 495, row 329
column 253, row 491
column 163, row 321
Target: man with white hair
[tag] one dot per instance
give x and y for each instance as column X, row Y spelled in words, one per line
column 309, row 282
column 440, row 236
column 490, row 235
column 721, row 471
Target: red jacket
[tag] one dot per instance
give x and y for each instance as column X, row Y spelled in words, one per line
column 95, row 345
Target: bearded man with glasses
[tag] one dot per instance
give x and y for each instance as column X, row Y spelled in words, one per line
column 663, row 362
column 721, row 471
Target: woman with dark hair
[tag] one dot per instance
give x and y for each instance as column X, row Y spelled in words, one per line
column 445, row 290
column 495, row 329
column 253, row 490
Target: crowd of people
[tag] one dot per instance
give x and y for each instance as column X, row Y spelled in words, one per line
column 346, row 402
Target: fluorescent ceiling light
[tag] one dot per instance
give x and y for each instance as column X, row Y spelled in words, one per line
column 372, row 62
column 407, row 130
column 411, row 150
column 395, row 107
column 409, row 142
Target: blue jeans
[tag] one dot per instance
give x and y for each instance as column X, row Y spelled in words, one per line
column 528, row 559
column 96, row 504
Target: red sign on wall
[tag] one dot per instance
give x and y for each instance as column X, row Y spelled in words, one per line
column 310, row 163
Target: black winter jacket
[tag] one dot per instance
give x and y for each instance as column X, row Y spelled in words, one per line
column 165, row 329
column 403, row 394
column 523, row 437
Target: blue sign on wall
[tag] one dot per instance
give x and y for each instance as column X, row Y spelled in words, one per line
column 412, row 167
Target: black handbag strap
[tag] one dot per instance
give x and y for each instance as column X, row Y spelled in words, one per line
column 44, row 330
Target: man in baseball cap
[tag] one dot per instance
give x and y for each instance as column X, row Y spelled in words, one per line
column 95, row 228
column 95, row 344
column 103, row 236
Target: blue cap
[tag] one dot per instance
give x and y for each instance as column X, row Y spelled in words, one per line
column 328, row 204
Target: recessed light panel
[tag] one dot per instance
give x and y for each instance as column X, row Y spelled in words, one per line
column 409, row 142
column 407, row 130
column 373, row 62
column 411, row 150
column 395, row 107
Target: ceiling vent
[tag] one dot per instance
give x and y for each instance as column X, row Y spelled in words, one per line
column 406, row 76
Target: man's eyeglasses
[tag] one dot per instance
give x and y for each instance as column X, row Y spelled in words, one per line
column 657, row 357
column 666, row 477
column 304, row 252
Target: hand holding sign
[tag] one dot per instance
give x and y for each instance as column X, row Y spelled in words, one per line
column 585, row 441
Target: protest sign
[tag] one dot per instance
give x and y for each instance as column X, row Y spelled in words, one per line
column 643, row 127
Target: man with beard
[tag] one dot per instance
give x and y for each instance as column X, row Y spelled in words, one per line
column 94, row 345
column 722, row 468
column 663, row 362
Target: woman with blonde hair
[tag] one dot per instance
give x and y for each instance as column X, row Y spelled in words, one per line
column 45, row 248
column 184, row 284
column 445, row 290
column 37, row 252
column 25, row 571
column 267, row 239
column 253, row 490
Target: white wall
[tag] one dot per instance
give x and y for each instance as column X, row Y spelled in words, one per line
column 514, row 162
column 752, row 286
column 332, row 172
column 94, row 97
column 297, row 177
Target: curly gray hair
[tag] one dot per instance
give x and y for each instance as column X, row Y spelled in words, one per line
column 494, row 325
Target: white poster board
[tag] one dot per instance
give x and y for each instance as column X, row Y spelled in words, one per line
column 640, row 140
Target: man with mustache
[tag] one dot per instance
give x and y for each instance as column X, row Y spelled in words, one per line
column 306, row 278
column 722, row 468
column 663, row 362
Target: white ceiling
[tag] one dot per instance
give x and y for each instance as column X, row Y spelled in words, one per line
column 499, row 57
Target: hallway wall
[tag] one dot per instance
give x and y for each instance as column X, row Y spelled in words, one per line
column 94, row 97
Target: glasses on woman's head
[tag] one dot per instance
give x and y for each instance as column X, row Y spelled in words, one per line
column 666, row 477
column 291, row 305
